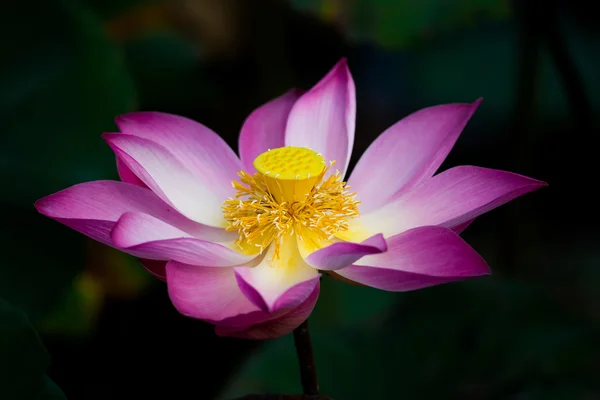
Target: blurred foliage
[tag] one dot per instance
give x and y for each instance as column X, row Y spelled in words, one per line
column 479, row 61
column 108, row 274
column 70, row 66
column 66, row 93
column 38, row 264
column 162, row 63
column 484, row 350
column 24, row 360
column 404, row 24
column 343, row 305
column 483, row 60
column 107, row 9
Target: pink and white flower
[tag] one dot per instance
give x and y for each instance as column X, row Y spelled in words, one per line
column 246, row 256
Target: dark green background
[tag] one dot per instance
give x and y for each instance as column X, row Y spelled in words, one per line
column 81, row 321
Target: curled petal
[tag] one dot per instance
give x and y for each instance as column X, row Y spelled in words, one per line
column 162, row 172
column 134, row 228
column 323, row 118
column 201, row 151
column 190, row 251
column 277, row 283
column 92, row 208
column 449, row 199
column 342, row 254
column 260, row 326
column 213, row 295
column 418, row 258
column 264, row 128
column 127, row 176
column 206, row 293
column 273, row 299
column 407, row 153
column 147, row 237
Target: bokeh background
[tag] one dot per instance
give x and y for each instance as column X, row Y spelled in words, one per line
column 79, row 320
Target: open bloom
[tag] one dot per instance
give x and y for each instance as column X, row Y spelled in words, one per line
column 240, row 241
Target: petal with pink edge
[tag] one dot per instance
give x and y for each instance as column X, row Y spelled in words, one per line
column 162, row 172
column 449, row 199
column 289, row 298
column 200, row 150
column 127, row 176
column 264, row 128
column 206, row 293
column 134, row 228
column 144, row 236
column 92, row 208
column 277, row 283
column 323, row 118
column 418, row 258
column 460, row 228
column 408, row 152
column 256, row 326
column 342, row 254
column 125, row 173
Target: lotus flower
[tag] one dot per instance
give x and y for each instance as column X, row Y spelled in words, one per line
column 241, row 241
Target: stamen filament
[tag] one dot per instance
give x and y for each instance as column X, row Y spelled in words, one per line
column 267, row 207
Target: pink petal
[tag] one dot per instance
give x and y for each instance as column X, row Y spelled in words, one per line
column 212, row 294
column 92, row 208
column 201, row 151
column 323, row 119
column 264, row 128
column 259, row 328
column 127, row 176
column 281, row 282
column 270, row 299
column 342, row 254
column 461, row 227
column 206, row 293
column 418, row 258
column 125, row 173
column 147, row 237
column 449, row 199
column 135, row 227
column 407, row 153
column 190, row 251
column 168, row 178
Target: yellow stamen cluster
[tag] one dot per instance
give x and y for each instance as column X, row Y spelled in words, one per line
column 276, row 201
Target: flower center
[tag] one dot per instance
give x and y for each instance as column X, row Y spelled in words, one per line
column 290, row 172
column 289, row 195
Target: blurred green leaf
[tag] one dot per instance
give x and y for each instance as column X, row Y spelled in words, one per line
column 39, row 264
column 108, row 273
column 114, row 8
column 23, row 360
column 481, row 62
column 62, row 85
column 165, row 68
column 485, row 336
column 76, row 84
column 77, row 312
column 401, row 24
column 51, row 391
column 341, row 304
